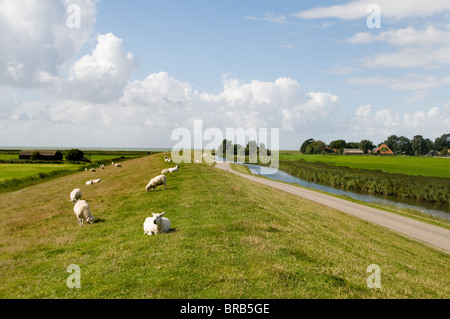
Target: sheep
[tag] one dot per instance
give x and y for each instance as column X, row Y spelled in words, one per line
column 75, row 195
column 83, row 212
column 118, row 165
column 165, row 171
column 174, row 169
column 157, row 181
column 93, row 170
column 89, row 182
column 156, row 225
column 168, row 159
column 96, row 181
column 102, row 166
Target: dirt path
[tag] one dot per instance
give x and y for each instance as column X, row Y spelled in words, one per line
column 430, row 234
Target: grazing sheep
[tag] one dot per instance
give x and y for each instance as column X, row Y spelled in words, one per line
column 83, row 212
column 118, row 165
column 156, row 225
column 75, row 195
column 174, row 169
column 157, row 181
column 102, row 166
column 166, row 158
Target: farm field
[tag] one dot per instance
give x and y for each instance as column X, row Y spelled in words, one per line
column 229, row 239
column 409, row 165
column 10, row 171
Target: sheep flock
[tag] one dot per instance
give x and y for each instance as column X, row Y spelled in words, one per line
column 154, row 225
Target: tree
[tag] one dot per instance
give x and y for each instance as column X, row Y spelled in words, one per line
column 442, row 142
column 419, row 145
column 35, row 156
column 352, row 145
column 74, row 155
column 338, row 144
column 305, row 145
column 59, row 156
column 316, row 147
column 366, row 146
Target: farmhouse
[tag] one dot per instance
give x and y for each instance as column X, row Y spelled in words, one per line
column 43, row 155
column 383, row 149
column 351, row 151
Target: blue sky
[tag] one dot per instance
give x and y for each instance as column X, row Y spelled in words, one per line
column 136, row 70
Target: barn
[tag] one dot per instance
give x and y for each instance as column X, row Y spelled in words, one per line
column 43, row 155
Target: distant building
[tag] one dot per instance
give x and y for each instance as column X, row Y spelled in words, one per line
column 383, row 149
column 43, row 155
column 352, row 151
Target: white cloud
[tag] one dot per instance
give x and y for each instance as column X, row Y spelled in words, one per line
column 35, row 38
column 272, row 17
column 99, row 77
column 410, row 82
column 397, row 10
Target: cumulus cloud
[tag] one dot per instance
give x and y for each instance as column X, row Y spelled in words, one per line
column 99, row 77
column 35, row 38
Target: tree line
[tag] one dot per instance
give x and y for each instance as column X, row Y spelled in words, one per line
column 400, row 145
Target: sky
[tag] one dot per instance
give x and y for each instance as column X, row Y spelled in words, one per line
column 128, row 74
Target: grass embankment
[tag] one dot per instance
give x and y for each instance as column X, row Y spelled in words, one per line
column 423, row 188
column 230, row 239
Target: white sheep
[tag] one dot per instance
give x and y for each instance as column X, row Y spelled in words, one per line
column 102, row 166
column 93, row 170
column 89, row 182
column 157, row 181
column 174, row 169
column 96, row 181
column 165, row 171
column 118, row 165
column 156, row 225
column 83, row 212
column 75, row 195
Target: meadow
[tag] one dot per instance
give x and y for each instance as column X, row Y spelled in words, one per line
column 229, row 239
column 408, row 165
column 16, row 173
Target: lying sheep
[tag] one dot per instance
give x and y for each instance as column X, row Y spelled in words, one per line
column 89, row 182
column 174, row 169
column 165, row 171
column 83, row 212
column 93, row 170
column 75, row 195
column 96, row 181
column 118, row 165
column 157, row 181
column 156, row 225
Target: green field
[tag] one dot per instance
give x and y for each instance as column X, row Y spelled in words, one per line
column 409, row 165
column 10, row 171
column 229, row 239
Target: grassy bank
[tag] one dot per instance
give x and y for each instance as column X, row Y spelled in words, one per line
column 230, row 239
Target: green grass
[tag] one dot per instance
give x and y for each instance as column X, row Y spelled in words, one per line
column 10, row 171
column 409, row 165
column 229, row 239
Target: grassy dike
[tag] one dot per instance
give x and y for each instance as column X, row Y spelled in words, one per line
column 230, row 239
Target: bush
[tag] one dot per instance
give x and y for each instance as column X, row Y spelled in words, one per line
column 74, row 155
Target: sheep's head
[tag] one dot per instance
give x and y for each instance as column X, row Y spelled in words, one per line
column 90, row 220
column 157, row 218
